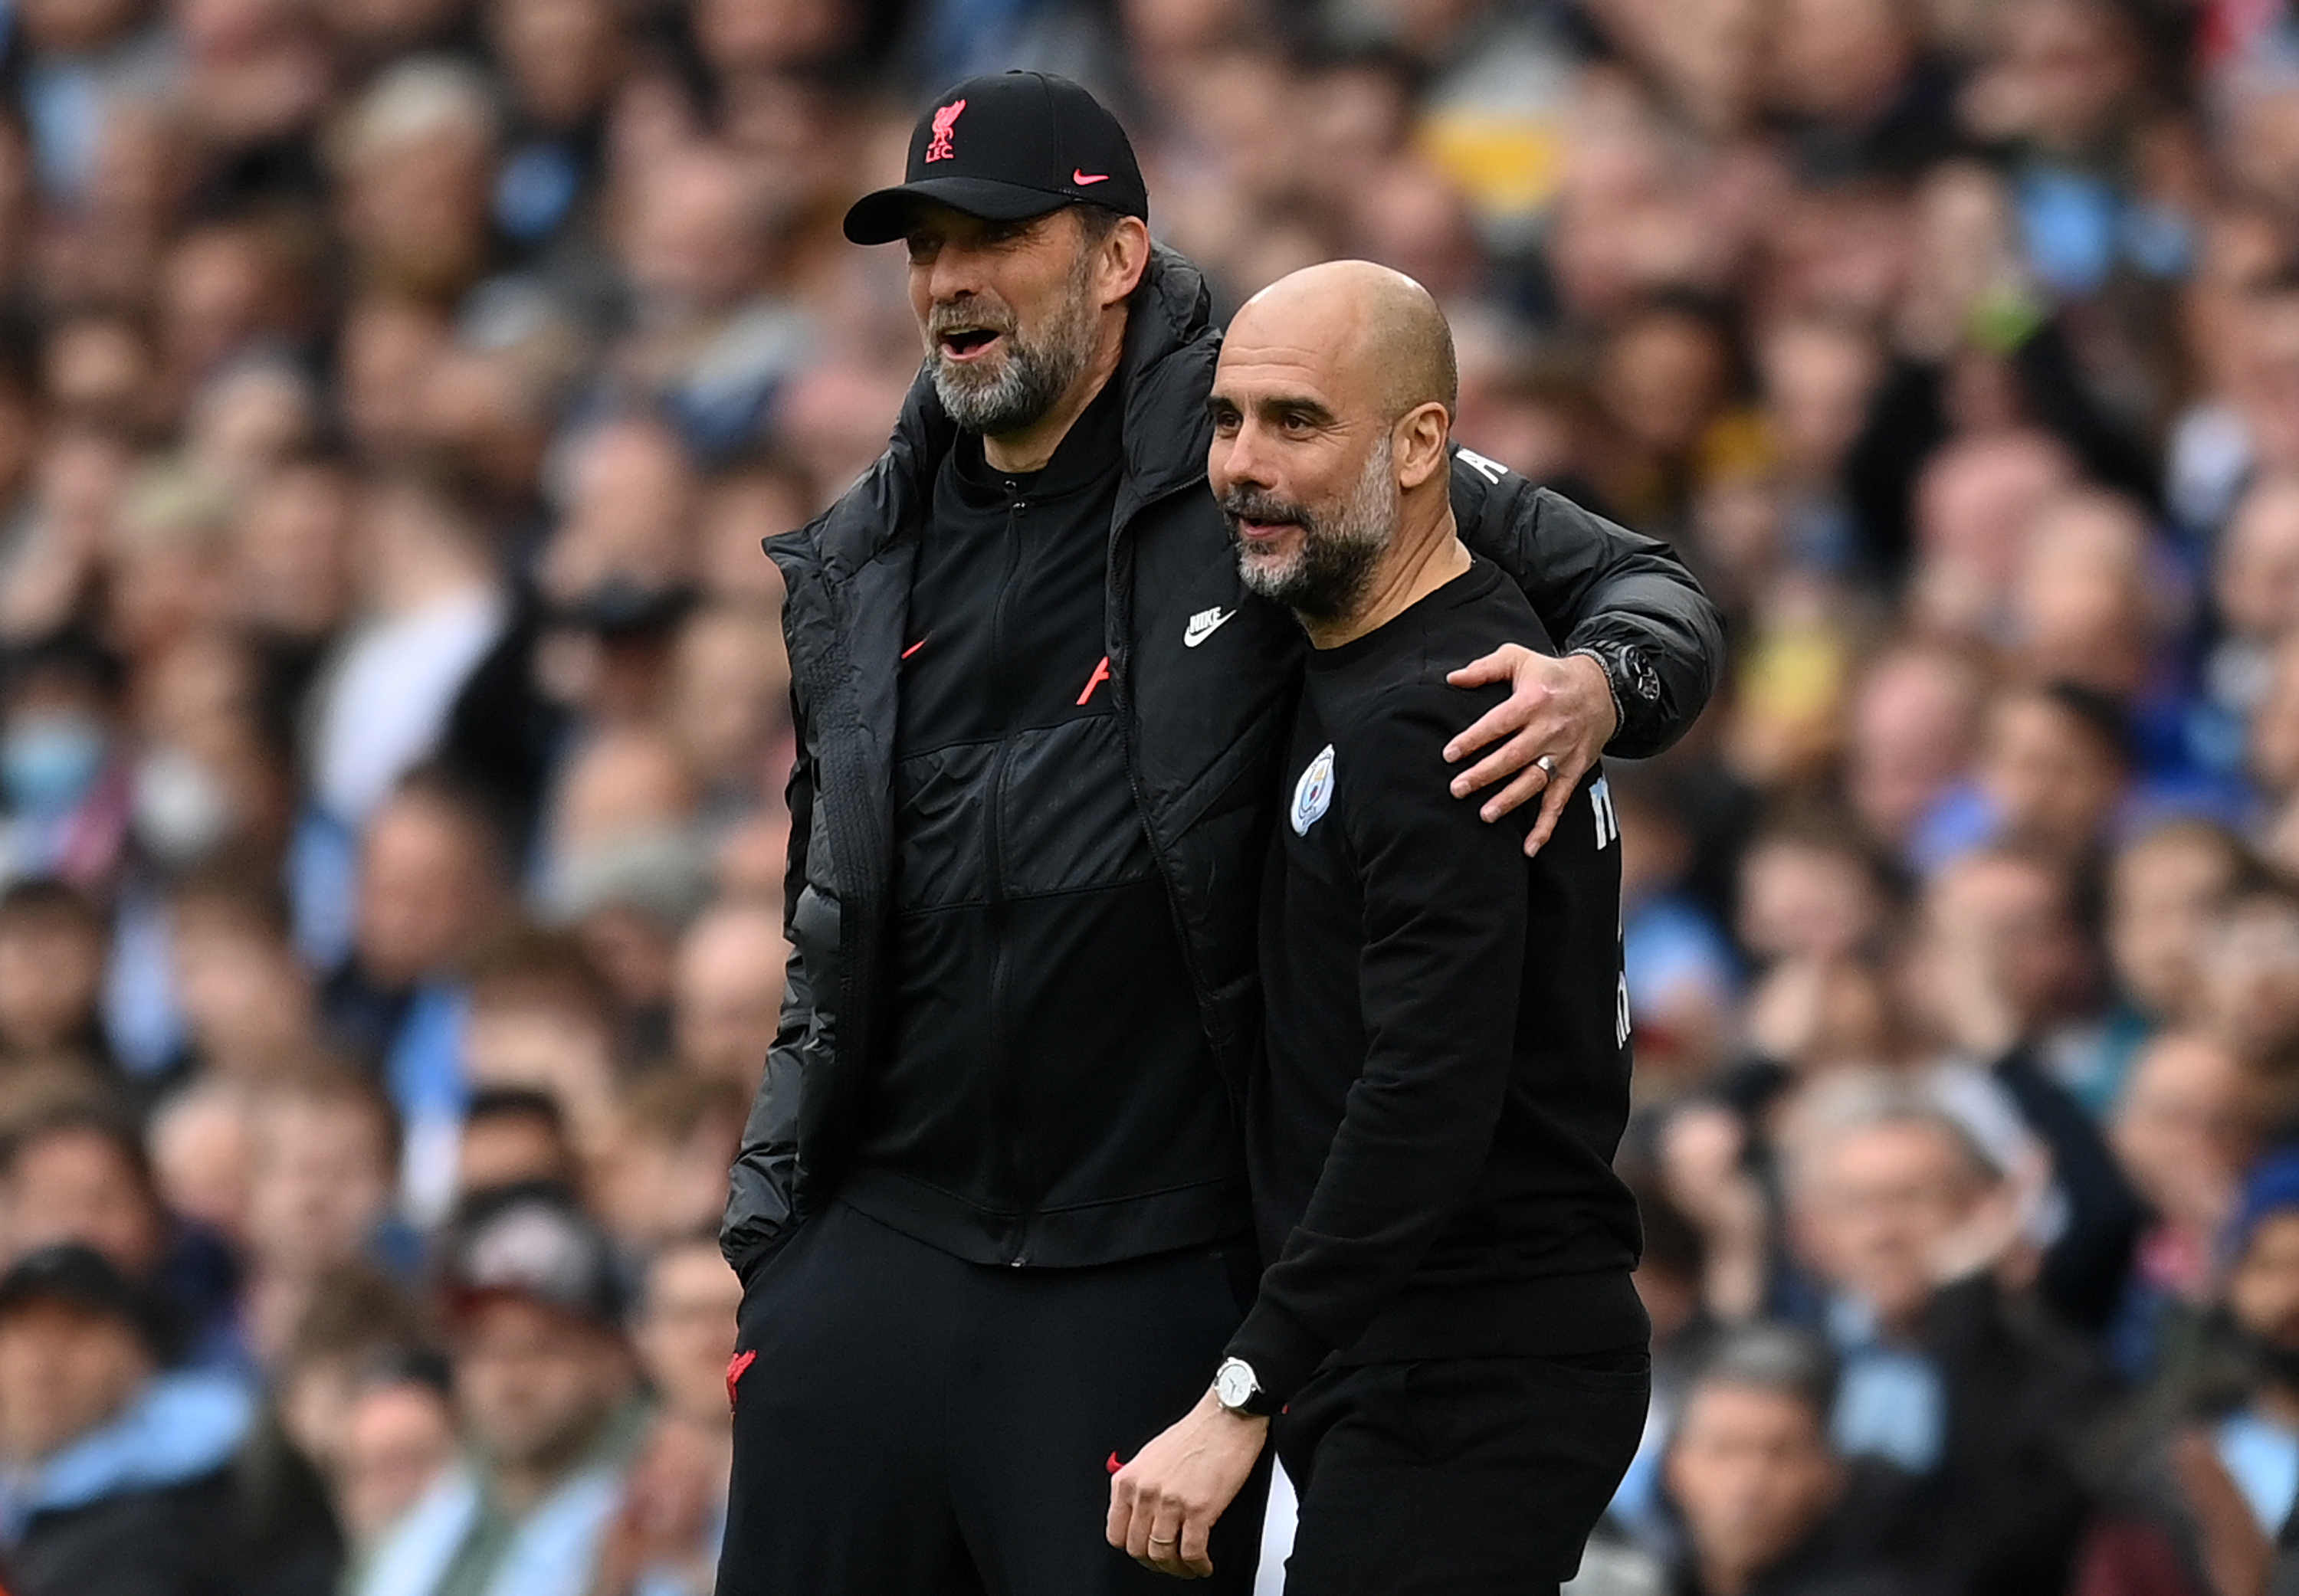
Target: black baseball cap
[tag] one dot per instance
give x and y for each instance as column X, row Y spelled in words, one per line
column 79, row 1277
column 1005, row 147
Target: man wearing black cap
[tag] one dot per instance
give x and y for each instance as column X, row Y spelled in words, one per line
column 990, row 1210
column 114, row 1477
column 545, row 1386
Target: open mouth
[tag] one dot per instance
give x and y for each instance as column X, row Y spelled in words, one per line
column 1254, row 529
column 966, row 343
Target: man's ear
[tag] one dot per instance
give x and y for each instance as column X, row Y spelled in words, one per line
column 1420, row 438
column 1125, row 256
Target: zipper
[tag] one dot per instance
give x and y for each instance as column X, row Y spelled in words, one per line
column 1121, row 683
column 1020, row 1172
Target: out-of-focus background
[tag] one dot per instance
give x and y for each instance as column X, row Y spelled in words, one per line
column 393, row 394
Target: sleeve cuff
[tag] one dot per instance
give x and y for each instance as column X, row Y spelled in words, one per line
column 1282, row 1352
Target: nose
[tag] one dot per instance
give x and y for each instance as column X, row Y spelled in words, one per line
column 954, row 276
column 1238, row 461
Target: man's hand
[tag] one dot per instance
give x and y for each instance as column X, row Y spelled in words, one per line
column 1562, row 708
column 1163, row 1505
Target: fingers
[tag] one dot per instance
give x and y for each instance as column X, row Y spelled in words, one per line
column 1135, row 1516
column 1120, row 1526
column 1158, row 1531
column 1514, row 758
column 1555, row 794
column 1499, row 665
column 1161, row 1540
column 1139, row 1528
column 1502, row 720
column 1197, row 1541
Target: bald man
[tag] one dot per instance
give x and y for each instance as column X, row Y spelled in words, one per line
column 1447, row 1335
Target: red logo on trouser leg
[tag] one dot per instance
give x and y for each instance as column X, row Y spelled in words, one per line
column 736, row 1365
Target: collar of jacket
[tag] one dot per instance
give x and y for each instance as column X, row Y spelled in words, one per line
column 1162, row 373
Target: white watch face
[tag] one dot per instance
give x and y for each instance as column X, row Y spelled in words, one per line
column 1234, row 1383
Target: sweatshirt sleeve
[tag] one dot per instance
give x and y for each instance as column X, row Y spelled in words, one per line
column 1444, row 937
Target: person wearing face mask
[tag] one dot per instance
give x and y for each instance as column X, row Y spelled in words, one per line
column 182, row 808
column 67, row 796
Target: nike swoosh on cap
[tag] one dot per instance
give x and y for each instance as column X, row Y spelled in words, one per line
column 1083, row 179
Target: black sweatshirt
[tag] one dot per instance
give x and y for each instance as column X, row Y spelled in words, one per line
column 1431, row 1133
column 1050, row 1079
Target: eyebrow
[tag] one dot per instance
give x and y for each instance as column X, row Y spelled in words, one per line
column 1293, row 404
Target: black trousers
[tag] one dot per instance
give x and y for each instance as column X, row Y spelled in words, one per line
column 1456, row 1476
column 906, row 1424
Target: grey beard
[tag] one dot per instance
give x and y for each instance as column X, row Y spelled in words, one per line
column 1339, row 552
column 1032, row 378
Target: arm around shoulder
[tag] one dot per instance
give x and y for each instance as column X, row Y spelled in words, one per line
column 1625, row 598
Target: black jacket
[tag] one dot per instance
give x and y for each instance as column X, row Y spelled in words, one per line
column 1203, row 725
column 1861, row 1547
column 164, row 1541
column 2010, row 1495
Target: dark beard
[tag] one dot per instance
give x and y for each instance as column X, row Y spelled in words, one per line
column 1340, row 548
column 1035, row 374
column 1333, row 573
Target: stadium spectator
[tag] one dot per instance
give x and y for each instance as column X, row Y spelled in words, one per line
column 658, row 1176
column 2004, row 974
column 2187, row 1126
column 1770, row 1507
column 198, row 1139
column 249, row 1010
column 2167, row 889
column 116, row 1474
column 52, row 947
column 728, row 987
column 1901, row 1217
column 665, row 1538
column 546, row 1390
column 513, row 1136
column 542, row 1018
column 428, row 893
column 1914, row 720
column 2204, row 1496
column 77, row 1172
column 323, row 1158
column 62, row 764
column 399, row 1439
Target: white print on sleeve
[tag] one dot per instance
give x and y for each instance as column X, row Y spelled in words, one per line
column 1484, row 465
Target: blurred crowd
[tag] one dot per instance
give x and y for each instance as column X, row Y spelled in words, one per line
column 393, row 394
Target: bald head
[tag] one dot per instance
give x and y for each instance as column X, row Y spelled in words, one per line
column 1378, row 331
column 1332, row 407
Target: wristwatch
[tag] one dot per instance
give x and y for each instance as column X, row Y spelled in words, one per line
column 1635, row 684
column 1238, row 1388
